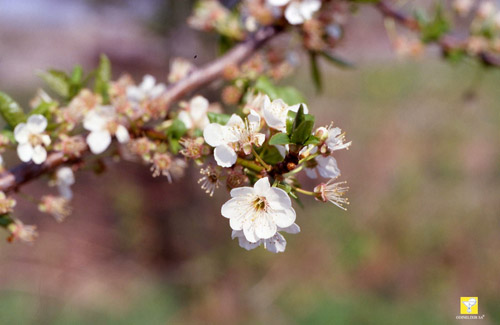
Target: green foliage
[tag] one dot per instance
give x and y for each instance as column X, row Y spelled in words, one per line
column 270, row 154
column 300, row 130
column 337, row 61
column 432, row 30
column 279, row 139
column 174, row 133
column 11, row 112
column 289, row 95
column 102, row 78
column 315, row 73
column 218, row 118
column 58, row 81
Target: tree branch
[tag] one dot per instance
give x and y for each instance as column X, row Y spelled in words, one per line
column 447, row 42
column 26, row 172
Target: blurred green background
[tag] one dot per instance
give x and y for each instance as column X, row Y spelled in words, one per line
column 422, row 229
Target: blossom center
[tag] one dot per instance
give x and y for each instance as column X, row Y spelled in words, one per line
column 35, row 139
column 260, row 204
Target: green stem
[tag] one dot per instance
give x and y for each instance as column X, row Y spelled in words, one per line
column 308, row 158
column 250, row 165
column 304, row 191
column 259, row 159
column 293, row 172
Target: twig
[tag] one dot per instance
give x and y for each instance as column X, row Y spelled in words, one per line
column 26, row 172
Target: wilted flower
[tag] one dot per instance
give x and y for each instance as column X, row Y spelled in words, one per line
column 297, row 11
column 142, row 147
column 56, row 206
column 101, row 122
column 236, row 135
column 179, row 68
column 7, row 204
column 194, row 115
column 32, row 139
column 64, row 179
column 193, row 148
column 162, row 162
column 236, row 178
column 71, row 146
column 276, row 113
column 21, row 231
column 332, row 192
column 258, row 211
column 210, row 180
column 147, row 90
column 275, row 244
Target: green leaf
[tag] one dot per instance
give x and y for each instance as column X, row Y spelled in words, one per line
column 225, row 44
column 43, row 109
column 176, row 130
column 77, row 74
column 5, row 220
column 218, row 118
column 315, row 73
column 299, row 118
column 174, row 145
column 102, row 78
column 279, row 139
column 338, row 61
column 432, row 31
column 302, row 133
column 289, row 95
column 290, row 119
column 311, row 140
column 57, row 80
column 271, row 154
column 10, row 110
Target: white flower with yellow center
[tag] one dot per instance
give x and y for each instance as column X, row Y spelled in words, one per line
column 233, row 137
column 258, row 211
column 276, row 113
column 148, row 89
column 101, row 122
column 275, row 244
column 335, row 139
column 195, row 114
column 297, row 11
column 32, row 140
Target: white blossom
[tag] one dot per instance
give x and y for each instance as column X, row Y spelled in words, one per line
column 236, row 135
column 258, row 211
column 276, row 113
column 32, row 140
column 148, row 89
column 335, row 139
column 179, row 68
column 275, row 244
column 101, row 122
column 195, row 114
column 332, row 192
column 297, row 11
column 64, row 179
column 324, row 166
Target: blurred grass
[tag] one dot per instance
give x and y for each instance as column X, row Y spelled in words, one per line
column 422, row 229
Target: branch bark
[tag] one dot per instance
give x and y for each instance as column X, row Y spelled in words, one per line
column 25, row 172
column 447, row 42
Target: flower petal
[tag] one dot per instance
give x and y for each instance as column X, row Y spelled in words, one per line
column 293, row 13
column 37, row 123
column 122, row 134
column 39, row 155
column 148, row 82
column 278, row 3
column 225, row 156
column 311, row 172
column 249, row 231
column 278, row 199
column 293, row 229
column 284, row 218
column 25, row 151
column 198, row 107
column 262, row 186
column 327, row 167
column 186, row 119
column 93, row 121
column 214, row 134
column 242, row 191
column 275, row 244
column 21, row 133
column 265, row 227
column 98, row 141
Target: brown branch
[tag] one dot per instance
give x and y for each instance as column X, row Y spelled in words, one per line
column 447, row 43
column 26, row 172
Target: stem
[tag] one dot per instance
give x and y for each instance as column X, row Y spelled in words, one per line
column 310, row 157
column 304, row 191
column 250, row 165
column 259, row 159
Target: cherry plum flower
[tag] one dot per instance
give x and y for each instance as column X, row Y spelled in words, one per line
column 101, row 122
column 297, row 11
column 195, row 113
column 32, row 139
column 276, row 113
column 275, row 244
column 236, row 135
column 258, row 211
column 332, row 192
column 148, row 89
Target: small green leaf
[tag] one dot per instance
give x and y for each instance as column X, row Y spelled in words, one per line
column 432, row 30
column 225, row 44
column 271, row 154
column 299, row 118
column 57, row 80
column 315, row 73
column 10, row 110
column 290, row 119
column 311, row 140
column 218, row 118
column 9, row 134
column 43, row 109
column 102, row 78
column 176, row 130
column 279, row 139
column 289, row 95
column 5, row 220
column 303, row 131
column 174, row 145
